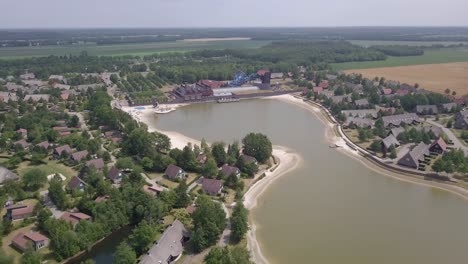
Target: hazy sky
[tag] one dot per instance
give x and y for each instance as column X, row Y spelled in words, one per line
column 231, row 13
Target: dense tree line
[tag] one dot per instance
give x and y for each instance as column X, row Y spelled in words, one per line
column 452, row 161
column 409, row 102
column 399, row 50
column 228, row 255
column 209, row 221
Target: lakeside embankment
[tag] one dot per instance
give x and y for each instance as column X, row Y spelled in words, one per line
column 373, row 164
column 286, row 159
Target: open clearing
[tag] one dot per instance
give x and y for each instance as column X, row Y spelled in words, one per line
column 434, row 77
column 139, row 49
column 430, row 57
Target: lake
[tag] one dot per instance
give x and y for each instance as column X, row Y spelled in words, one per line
column 332, row 209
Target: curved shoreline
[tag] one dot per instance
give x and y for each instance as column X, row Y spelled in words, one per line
column 345, row 149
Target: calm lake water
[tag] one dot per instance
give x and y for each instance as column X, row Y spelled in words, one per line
column 332, row 209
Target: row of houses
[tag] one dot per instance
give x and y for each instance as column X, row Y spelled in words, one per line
column 420, row 155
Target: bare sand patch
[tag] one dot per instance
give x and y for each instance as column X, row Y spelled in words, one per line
column 433, row 77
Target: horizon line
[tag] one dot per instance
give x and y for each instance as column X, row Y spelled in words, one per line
column 235, row 27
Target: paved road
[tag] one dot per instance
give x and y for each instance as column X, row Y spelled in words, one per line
column 450, row 135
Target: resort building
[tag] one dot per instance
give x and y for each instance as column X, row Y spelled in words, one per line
column 227, row 171
column 7, row 175
column 397, row 120
column 414, row 157
column 75, row 218
column 426, row 109
column 174, row 172
column 212, row 186
column 18, row 212
column 34, row 240
column 169, row 247
column 461, row 120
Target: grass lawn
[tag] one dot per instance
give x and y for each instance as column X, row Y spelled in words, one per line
column 230, row 196
column 191, row 177
column 429, row 57
column 6, row 241
column 154, row 175
column 168, row 183
column 457, row 133
column 52, row 166
column 138, row 49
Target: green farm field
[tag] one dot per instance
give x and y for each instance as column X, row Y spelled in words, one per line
column 368, row 43
column 140, row 49
column 429, row 57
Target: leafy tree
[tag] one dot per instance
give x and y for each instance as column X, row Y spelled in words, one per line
column 31, row 257
column 218, row 152
column 57, row 194
column 376, row 146
column 34, row 179
column 438, row 165
column 182, row 198
column 141, row 237
column 209, row 221
column 249, row 168
column 210, row 169
column 163, row 142
column 258, row 146
column 393, row 154
column 124, row 254
column 124, row 163
column 239, row 222
column 449, row 123
column 228, row 255
column 234, row 151
column 74, row 121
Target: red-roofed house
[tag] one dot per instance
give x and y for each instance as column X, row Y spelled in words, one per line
column 402, row 92
column 318, row 89
column 261, row 72
column 64, row 95
column 324, row 84
column 23, row 132
column 438, row 146
column 34, row 240
column 18, row 212
column 387, row 91
column 75, row 218
column 23, row 143
column 210, row 84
